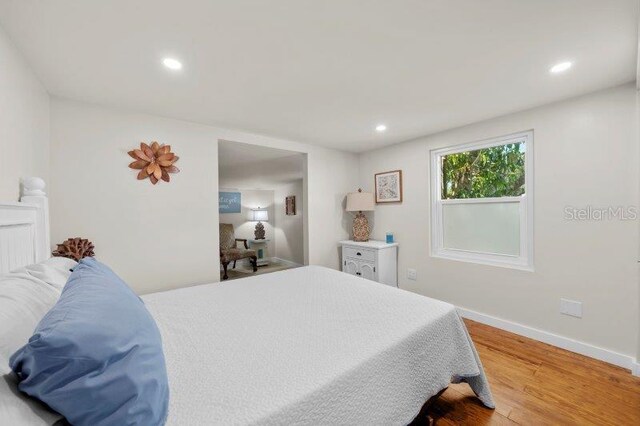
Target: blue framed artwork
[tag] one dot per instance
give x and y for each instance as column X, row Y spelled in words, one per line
column 229, row 202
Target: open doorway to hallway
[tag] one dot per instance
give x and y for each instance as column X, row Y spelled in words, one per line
column 261, row 210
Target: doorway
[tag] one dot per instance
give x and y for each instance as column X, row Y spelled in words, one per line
column 261, row 209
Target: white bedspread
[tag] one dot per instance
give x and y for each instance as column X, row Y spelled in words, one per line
column 309, row 346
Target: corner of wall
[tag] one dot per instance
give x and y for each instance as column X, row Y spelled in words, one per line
column 25, row 130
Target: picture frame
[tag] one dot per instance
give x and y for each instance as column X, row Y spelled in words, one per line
column 229, row 202
column 290, row 205
column 388, row 187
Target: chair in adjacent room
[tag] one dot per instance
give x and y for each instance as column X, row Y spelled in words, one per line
column 230, row 252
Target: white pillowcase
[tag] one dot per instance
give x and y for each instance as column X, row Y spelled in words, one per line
column 54, row 271
column 26, row 295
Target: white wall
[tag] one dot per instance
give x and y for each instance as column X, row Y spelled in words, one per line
column 251, row 199
column 289, row 229
column 165, row 236
column 636, row 367
column 24, row 122
column 330, row 177
column 586, row 153
column 155, row 237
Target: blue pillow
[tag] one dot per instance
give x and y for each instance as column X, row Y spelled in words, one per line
column 96, row 356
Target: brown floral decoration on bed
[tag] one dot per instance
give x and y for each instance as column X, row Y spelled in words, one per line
column 75, row 248
column 154, row 162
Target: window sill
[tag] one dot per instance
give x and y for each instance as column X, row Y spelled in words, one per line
column 479, row 259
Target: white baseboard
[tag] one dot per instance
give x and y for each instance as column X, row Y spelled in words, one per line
column 615, row 358
column 286, row 262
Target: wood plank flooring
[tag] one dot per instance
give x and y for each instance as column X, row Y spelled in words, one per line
column 537, row 384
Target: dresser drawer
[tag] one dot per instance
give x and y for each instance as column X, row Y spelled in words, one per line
column 359, row 253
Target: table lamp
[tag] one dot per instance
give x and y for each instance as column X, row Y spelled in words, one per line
column 360, row 202
column 259, row 215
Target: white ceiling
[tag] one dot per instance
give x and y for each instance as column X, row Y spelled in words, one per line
column 244, row 166
column 326, row 71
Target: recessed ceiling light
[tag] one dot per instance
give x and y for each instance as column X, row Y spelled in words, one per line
column 381, row 128
column 172, row 64
column 561, row 67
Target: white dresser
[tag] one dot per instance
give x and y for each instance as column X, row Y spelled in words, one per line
column 373, row 260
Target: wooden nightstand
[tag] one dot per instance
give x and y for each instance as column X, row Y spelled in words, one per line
column 373, row 260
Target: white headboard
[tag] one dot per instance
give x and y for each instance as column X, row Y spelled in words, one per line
column 24, row 227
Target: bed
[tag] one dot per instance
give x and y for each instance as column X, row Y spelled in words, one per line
column 303, row 346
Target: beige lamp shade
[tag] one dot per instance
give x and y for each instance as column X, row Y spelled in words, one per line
column 259, row 215
column 360, row 201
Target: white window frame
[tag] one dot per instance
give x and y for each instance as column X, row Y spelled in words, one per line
column 525, row 260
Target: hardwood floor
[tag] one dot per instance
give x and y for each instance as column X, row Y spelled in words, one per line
column 537, row 384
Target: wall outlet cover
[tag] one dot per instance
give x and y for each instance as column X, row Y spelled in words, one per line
column 412, row 274
column 571, row 307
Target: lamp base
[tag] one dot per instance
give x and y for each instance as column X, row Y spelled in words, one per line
column 360, row 228
column 259, row 232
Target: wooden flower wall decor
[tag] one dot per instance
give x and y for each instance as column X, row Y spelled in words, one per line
column 154, row 162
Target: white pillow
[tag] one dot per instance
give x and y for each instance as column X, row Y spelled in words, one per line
column 26, row 295
column 54, row 271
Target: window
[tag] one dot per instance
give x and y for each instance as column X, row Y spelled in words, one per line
column 482, row 202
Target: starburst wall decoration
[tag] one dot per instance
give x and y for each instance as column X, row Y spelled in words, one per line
column 154, row 162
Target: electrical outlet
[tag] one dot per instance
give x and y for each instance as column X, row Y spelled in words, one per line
column 412, row 274
column 571, row 307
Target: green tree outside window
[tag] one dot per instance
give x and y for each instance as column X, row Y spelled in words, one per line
column 489, row 172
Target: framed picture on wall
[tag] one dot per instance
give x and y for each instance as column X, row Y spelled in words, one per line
column 389, row 187
column 290, row 205
column 229, row 202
